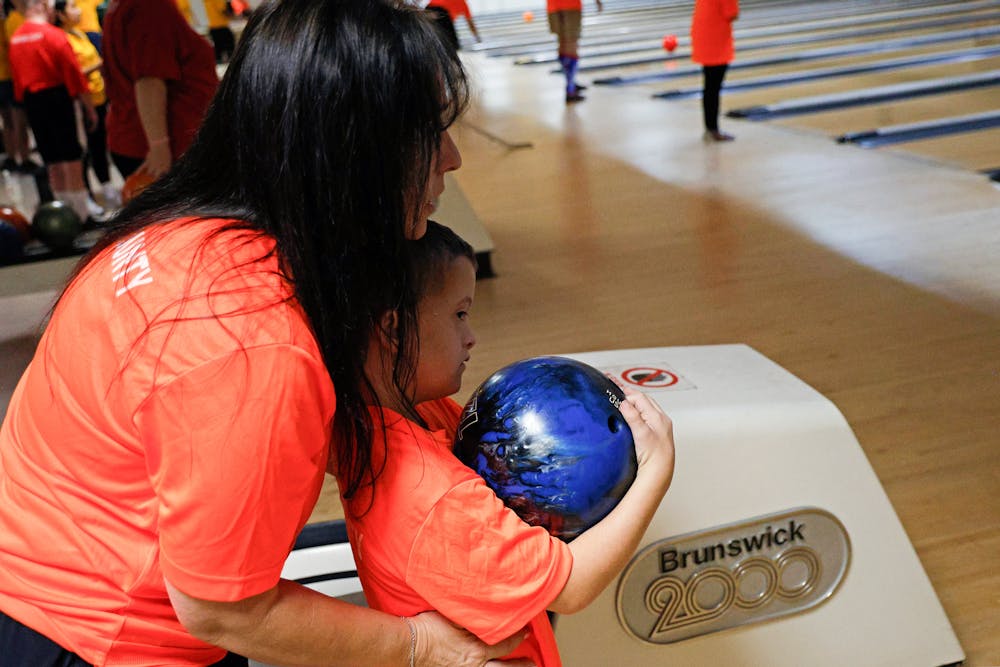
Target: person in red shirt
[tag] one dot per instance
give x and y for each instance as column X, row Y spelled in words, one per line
column 49, row 82
column 160, row 77
column 428, row 533
column 712, row 48
column 565, row 22
column 445, row 12
column 169, row 438
column 12, row 116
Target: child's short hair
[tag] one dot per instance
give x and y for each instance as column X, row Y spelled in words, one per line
column 432, row 253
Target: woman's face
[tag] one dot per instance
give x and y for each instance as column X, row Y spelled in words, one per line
column 447, row 159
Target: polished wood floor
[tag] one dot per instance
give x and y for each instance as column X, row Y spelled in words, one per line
column 871, row 275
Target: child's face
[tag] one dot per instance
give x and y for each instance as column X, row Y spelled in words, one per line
column 71, row 15
column 445, row 333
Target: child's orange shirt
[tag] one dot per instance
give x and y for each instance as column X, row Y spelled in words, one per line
column 435, row 537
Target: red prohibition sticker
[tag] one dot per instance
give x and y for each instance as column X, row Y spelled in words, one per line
column 649, row 377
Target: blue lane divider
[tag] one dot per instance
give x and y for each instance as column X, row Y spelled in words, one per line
column 968, row 55
column 898, row 134
column 865, row 96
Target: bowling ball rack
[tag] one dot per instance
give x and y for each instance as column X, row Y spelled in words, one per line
column 36, row 251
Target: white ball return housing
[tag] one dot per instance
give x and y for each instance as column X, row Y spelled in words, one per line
column 776, row 545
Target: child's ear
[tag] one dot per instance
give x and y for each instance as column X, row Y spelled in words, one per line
column 388, row 328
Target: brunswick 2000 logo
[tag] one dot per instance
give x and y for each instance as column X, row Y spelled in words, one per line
column 746, row 572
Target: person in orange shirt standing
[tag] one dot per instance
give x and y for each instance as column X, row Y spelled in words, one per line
column 712, row 48
column 565, row 21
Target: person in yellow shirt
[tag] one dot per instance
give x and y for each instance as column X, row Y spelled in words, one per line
column 89, row 23
column 68, row 17
column 218, row 29
column 15, row 121
column 185, row 7
column 6, row 100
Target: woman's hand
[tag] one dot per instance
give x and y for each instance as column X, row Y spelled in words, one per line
column 439, row 643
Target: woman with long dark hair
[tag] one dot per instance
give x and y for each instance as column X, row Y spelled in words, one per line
column 205, row 362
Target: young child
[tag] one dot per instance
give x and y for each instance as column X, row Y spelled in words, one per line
column 69, row 17
column 48, row 80
column 429, row 534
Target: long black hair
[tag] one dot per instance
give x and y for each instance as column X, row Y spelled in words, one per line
column 322, row 134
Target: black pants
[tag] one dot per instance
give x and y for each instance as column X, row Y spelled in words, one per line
column 52, row 116
column 713, row 76
column 97, row 148
column 20, row 646
column 224, row 43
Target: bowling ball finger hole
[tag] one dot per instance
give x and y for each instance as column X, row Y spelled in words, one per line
column 614, row 424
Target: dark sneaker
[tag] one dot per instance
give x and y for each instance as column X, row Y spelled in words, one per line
column 29, row 166
column 715, row 135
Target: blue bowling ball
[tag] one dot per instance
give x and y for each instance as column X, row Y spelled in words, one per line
column 547, row 436
column 11, row 243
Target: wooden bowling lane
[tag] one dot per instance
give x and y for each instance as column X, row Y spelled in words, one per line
column 615, row 28
column 641, row 48
column 736, row 98
column 919, row 109
column 779, row 58
column 972, row 150
column 757, row 36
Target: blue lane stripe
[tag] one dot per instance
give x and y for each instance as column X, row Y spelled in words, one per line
column 864, row 97
column 937, row 128
column 968, row 55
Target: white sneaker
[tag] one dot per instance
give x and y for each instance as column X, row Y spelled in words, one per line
column 94, row 209
column 112, row 196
